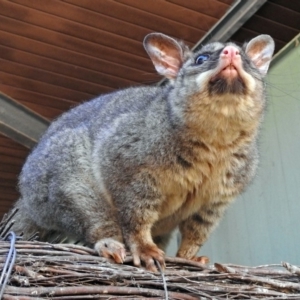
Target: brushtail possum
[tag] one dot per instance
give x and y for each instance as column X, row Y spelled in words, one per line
column 125, row 169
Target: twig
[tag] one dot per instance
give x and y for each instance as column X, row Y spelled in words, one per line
column 78, row 273
column 78, row 248
column 163, row 279
column 27, row 272
column 291, row 268
column 251, row 278
column 11, row 297
column 178, row 260
column 5, row 220
column 83, row 290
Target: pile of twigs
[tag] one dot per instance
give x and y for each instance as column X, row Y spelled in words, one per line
column 65, row 271
column 68, row 271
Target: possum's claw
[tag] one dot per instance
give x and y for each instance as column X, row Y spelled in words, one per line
column 111, row 248
column 148, row 254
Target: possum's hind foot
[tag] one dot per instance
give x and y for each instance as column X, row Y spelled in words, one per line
column 201, row 259
column 110, row 248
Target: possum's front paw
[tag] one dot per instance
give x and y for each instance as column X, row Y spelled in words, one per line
column 111, row 248
column 147, row 254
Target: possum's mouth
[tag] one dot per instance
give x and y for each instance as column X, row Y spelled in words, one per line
column 230, row 67
column 227, row 80
column 230, row 72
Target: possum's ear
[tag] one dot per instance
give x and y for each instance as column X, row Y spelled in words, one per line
column 165, row 52
column 260, row 50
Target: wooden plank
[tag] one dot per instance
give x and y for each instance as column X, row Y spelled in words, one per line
column 87, row 17
column 4, row 152
column 61, row 68
column 7, row 195
column 228, row 2
column 49, row 28
column 243, row 35
column 42, row 87
column 31, row 96
column 7, row 203
column 272, row 27
column 4, row 140
column 47, row 112
column 57, row 80
column 17, row 161
column 10, row 168
column 7, row 199
column 213, row 8
column 178, row 13
column 290, row 4
column 279, row 13
column 8, row 182
column 9, row 176
column 112, row 62
column 135, row 16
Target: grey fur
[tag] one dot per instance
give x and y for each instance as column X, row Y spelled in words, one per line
column 105, row 168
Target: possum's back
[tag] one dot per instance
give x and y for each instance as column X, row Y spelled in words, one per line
column 102, row 110
column 66, row 148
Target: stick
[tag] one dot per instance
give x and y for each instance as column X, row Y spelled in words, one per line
column 84, row 290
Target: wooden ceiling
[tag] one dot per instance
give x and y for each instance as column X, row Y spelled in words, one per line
column 278, row 18
column 55, row 54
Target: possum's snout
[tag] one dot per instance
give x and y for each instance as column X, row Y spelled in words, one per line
column 228, row 77
column 230, row 63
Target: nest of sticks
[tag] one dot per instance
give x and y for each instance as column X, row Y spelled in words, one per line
column 69, row 271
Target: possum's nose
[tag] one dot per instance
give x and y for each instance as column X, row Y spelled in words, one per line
column 230, row 62
column 230, row 52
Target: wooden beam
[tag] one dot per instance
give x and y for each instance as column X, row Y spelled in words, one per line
column 20, row 123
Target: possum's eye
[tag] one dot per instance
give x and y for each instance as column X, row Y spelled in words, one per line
column 201, row 59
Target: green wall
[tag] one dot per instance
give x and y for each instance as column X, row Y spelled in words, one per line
column 263, row 225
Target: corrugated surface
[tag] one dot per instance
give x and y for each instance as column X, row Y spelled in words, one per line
column 56, row 54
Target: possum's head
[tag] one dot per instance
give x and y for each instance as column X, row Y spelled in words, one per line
column 224, row 76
